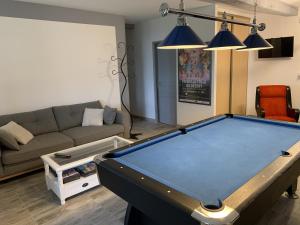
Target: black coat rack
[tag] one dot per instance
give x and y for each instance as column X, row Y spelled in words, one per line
column 121, row 64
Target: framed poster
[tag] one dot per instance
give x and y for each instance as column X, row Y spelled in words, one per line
column 194, row 76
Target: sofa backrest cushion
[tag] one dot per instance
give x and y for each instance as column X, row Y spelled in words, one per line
column 37, row 122
column 69, row 116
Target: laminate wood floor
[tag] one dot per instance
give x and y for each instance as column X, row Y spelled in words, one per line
column 26, row 200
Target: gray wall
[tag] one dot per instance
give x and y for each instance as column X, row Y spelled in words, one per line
column 145, row 34
column 10, row 8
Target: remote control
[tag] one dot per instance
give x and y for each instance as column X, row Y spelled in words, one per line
column 62, row 155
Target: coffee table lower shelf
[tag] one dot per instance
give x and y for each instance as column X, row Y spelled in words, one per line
column 64, row 191
column 53, row 166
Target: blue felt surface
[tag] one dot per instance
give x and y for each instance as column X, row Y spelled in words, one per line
column 211, row 162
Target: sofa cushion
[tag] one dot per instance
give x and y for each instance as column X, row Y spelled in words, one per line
column 92, row 117
column 109, row 115
column 22, row 135
column 38, row 146
column 14, row 169
column 69, row 116
column 37, row 122
column 8, row 141
column 83, row 135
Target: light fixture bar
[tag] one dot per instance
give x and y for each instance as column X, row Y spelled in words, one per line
column 165, row 10
column 182, row 36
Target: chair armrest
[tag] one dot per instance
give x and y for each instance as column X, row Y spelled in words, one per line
column 260, row 112
column 123, row 118
column 293, row 113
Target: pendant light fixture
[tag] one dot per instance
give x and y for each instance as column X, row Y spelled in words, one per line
column 182, row 36
column 224, row 40
column 254, row 41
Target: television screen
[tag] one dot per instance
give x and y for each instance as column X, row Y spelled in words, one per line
column 283, row 47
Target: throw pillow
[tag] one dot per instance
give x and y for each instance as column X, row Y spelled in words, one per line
column 22, row 135
column 92, row 117
column 109, row 115
column 8, row 141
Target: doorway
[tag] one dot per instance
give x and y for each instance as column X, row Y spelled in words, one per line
column 165, row 69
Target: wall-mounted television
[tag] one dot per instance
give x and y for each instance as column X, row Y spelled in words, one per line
column 283, row 47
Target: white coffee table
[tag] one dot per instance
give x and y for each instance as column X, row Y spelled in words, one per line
column 79, row 155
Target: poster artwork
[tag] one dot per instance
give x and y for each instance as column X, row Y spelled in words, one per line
column 194, row 76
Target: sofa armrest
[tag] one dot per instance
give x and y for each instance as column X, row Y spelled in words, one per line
column 123, row 118
column 260, row 112
column 293, row 113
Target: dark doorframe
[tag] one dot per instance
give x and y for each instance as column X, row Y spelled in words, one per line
column 155, row 68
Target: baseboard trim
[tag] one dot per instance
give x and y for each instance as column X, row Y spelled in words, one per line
column 145, row 118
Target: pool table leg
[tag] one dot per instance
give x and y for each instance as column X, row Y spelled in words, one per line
column 135, row 217
column 291, row 191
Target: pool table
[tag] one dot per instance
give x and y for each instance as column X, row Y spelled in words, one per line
column 228, row 169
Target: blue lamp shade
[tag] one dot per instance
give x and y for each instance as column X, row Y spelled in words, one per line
column 182, row 37
column 224, row 40
column 255, row 42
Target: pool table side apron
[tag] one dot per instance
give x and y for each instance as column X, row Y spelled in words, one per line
column 150, row 197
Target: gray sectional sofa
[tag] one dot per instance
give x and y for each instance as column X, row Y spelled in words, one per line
column 54, row 129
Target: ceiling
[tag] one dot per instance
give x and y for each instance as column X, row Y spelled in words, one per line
column 137, row 10
column 132, row 10
column 292, row 2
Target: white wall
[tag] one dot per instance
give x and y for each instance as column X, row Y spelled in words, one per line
column 276, row 71
column 272, row 71
column 16, row 9
column 46, row 63
column 154, row 30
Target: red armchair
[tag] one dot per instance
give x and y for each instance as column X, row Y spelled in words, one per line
column 274, row 102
